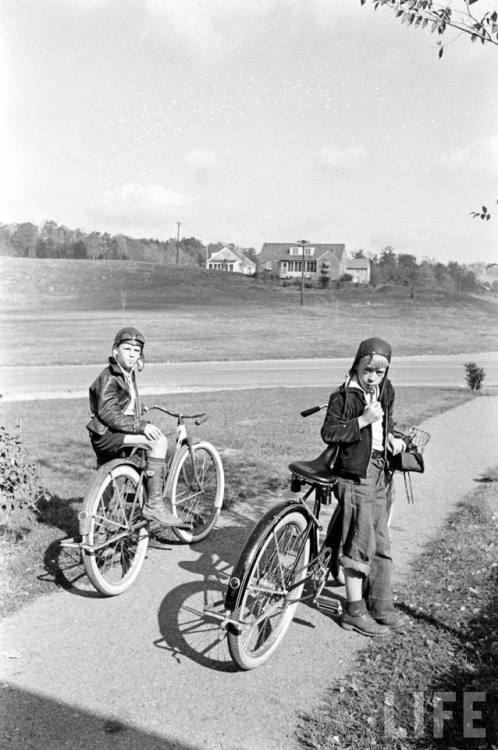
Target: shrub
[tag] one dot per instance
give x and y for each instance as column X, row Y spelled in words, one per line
column 20, row 487
column 474, row 376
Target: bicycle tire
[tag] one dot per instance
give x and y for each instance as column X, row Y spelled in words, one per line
column 197, row 497
column 334, row 534
column 282, row 545
column 115, row 537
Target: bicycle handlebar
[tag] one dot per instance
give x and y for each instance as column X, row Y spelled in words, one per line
column 312, row 410
column 199, row 418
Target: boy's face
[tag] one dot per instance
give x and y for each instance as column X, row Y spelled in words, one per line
column 127, row 355
column 371, row 372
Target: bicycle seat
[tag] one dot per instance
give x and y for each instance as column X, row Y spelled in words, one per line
column 318, row 470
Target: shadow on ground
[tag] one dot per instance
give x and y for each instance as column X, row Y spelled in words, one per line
column 31, row 722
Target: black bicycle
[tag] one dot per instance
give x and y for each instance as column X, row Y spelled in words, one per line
column 284, row 562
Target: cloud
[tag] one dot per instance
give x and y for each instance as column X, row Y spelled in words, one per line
column 212, row 30
column 480, row 157
column 138, row 205
column 202, row 162
column 340, row 161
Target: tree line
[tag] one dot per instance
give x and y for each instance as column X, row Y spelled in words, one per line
column 389, row 267
column 52, row 240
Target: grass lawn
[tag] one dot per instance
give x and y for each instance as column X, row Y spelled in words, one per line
column 391, row 697
column 66, row 312
column 258, row 433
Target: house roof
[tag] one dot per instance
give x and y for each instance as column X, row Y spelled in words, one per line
column 232, row 252
column 358, row 264
column 276, row 251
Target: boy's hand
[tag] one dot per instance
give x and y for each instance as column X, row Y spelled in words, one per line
column 152, row 432
column 371, row 413
column 395, row 445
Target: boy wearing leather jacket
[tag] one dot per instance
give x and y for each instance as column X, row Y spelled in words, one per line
column 118, row 420
column 359, row 421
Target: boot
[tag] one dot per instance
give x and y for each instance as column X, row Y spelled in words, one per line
column 154, row 509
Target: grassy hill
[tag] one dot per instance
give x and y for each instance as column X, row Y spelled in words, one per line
column 30, row 284
column 66, row 312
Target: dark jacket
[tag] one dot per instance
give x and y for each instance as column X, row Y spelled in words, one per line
column 109, row 396
column 341, row 428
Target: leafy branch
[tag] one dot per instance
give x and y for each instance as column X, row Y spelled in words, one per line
column 483, row 214
column 438, row 18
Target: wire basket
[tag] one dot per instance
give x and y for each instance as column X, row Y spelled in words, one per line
column 413, row 436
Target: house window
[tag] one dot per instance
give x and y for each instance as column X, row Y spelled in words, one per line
column 308, row 251
column 296, row 266
column 268, row 265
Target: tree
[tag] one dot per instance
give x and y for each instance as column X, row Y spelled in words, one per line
column 324, row 274
column 438, row 18
column 388, row 266
column 407, row 269
column 24, row 239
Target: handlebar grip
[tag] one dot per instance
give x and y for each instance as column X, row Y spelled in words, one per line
column 202, row 419
column 313, row 410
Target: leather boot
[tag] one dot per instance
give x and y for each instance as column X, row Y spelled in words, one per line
column 154, row 509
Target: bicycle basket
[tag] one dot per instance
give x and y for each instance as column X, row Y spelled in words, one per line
column 415, row 438
column 411, row 459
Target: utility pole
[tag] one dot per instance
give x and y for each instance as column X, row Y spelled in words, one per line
column 303, row 244
column 178, row 225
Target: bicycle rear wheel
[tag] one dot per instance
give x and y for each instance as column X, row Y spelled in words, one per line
column 115, row 536
column 334, row 535
column 271, row 591
column 196, row 488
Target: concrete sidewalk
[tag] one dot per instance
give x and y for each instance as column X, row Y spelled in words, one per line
column 143, row 670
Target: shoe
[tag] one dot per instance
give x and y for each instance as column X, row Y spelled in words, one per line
column 161, row 516
column 365, row 624
column 394, row 620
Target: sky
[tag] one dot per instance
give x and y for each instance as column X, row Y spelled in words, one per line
column 248, row 121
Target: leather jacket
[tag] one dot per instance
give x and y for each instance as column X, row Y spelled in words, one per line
column 341, row 428
column 109, row 396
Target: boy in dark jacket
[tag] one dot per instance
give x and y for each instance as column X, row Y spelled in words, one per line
column 118, row 420
column 359, row 421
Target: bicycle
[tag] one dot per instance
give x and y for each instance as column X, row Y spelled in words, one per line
column 284, row 563
column 113, row 534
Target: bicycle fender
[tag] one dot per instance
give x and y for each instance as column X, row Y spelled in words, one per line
column 97, row 481
column 251, row 547
column 110, row 466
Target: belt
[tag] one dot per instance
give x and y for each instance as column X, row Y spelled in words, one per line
column 377, row 454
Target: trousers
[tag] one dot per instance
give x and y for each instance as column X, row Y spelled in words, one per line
column 366, row 546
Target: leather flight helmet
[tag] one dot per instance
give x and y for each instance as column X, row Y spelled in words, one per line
column 129, row 335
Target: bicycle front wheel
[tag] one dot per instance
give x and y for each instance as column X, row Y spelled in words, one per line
column 115, row 536
column 196, row 488
column 271, row 591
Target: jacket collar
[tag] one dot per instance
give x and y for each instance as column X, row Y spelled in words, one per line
column 117, row 370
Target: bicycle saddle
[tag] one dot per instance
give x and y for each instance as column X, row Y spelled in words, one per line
column 319, row 470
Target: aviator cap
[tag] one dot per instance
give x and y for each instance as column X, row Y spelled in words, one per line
column 129, row 335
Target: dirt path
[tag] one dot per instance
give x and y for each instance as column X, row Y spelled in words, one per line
column 143, row 670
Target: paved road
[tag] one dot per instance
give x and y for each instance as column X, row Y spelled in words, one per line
column 142, row 670
column 18, row 383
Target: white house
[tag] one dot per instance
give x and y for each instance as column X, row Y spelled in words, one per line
column 228, row 259
column 359, row 269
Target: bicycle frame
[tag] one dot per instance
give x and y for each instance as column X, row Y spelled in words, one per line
column 313, row 527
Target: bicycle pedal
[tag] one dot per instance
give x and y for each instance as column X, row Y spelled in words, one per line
column 329, row 606
column 71, row 541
